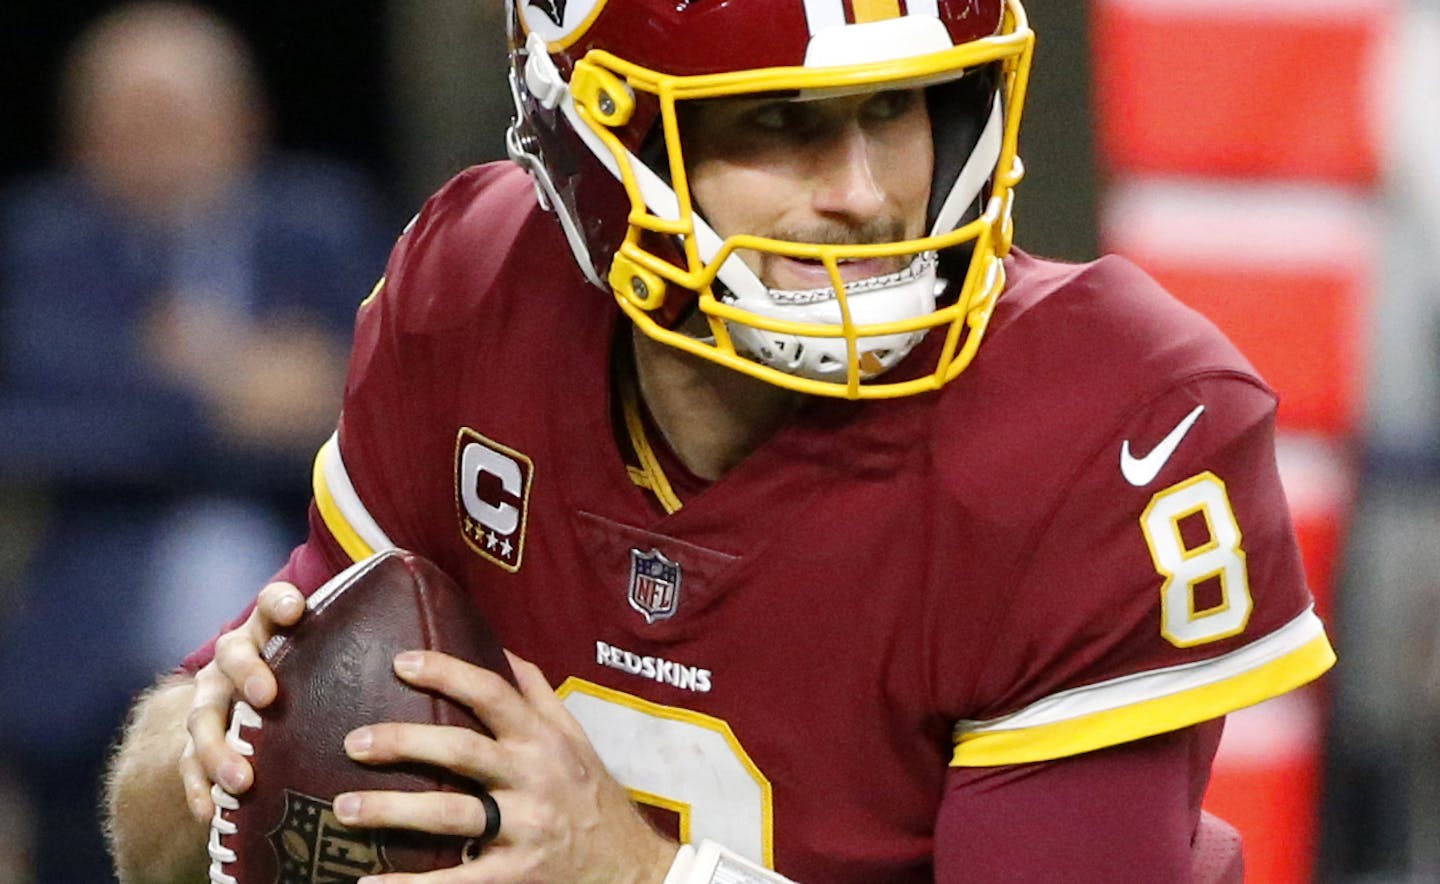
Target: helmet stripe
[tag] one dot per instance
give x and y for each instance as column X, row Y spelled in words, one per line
column 821, row 15
column 923, row 7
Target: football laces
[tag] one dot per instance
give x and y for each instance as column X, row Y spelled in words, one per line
column 243, row 715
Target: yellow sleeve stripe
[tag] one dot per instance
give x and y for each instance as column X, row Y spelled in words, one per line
column 340, row 507
column 1149, row 703
column 374, row 293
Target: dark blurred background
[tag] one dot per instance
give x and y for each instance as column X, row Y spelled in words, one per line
column 323, row 63
column 414, row 91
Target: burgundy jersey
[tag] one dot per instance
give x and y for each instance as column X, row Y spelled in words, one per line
column 1079, row 542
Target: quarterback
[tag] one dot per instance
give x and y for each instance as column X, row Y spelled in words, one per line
column 834, row 539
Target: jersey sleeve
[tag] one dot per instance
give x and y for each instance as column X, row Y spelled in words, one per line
column 1163, row 587
column 374, row 402
column 385, row 466
column 1124, row 813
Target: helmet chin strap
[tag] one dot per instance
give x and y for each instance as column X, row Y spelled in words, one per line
column 906, row 294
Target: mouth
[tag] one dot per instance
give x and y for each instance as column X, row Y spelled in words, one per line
column 859, row 276
column 804, row 273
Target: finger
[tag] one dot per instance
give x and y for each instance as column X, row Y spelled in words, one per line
column 237, row 656
column 196, row 783
column 458, row 749
column 535, row 687
column 281, row 604
column 528, row 677
column 239, row 651
column 439, row 813
column 206, row 723
column 493, row 699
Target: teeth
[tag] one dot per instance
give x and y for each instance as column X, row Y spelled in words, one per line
column 923, row 262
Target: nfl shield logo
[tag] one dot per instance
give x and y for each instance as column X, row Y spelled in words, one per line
column 312, row 846
column 654, row 585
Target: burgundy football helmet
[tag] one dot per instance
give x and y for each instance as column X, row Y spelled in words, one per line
column 597, row 87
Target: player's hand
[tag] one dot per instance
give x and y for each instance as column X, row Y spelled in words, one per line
column 237, row 670
column 563, row 817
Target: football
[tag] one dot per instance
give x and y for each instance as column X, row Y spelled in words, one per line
column 334, row 670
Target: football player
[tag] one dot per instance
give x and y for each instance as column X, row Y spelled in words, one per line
column 836, row 539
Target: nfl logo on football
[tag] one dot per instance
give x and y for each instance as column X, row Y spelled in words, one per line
column 654, row 585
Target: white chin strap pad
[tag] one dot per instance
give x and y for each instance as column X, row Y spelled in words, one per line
column 906, row 294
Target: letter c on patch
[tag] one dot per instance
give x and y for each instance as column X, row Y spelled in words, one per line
column 476, row 459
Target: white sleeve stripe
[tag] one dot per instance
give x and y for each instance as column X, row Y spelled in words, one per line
column 1129, row 690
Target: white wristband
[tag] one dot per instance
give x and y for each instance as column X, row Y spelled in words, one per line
column 711, row 863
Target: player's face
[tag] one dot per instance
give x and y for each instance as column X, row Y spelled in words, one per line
column 852, row 169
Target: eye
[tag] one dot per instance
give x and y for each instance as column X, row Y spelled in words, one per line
column 776, row 117
column 891, row 105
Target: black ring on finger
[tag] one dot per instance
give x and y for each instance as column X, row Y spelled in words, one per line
column 492, row 817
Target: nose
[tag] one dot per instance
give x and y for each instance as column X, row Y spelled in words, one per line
column 846, row 186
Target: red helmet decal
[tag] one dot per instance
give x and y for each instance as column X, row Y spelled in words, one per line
column 560, row 23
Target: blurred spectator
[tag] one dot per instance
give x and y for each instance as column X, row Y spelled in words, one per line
column 175, row 302
column 1383, row 812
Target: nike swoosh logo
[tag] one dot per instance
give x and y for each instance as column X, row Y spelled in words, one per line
column 1141, row 471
